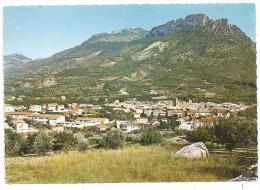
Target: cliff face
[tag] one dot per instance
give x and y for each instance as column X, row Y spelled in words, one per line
column 201, row 22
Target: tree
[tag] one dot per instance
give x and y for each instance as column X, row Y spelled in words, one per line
column 200, row 134
column 64, row 141
column 150, row 136
column 43, row 143
column 9, row 120
column 233, row 132
column 83, row 144
column 113, row 139
column 171, row 125
column 13, row 143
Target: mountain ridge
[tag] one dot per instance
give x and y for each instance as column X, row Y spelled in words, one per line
column 174, row 64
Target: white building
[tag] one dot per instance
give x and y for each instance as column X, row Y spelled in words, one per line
column 51, row 107
column 35, row 108
column 9, row 108
column 21, row 126
column 142, row 120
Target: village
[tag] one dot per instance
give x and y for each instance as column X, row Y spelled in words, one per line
column 58, row 117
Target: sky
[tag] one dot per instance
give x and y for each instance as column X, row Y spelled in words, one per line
column 41, row 31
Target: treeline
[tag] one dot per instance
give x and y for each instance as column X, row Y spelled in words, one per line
column 231, row 133
column 46, row 141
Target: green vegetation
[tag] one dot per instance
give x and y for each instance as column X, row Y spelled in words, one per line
column 150, row 135
column 234, row 132
column 193, row 65
column 113, row 139
column 13, row 143
column 130, row 164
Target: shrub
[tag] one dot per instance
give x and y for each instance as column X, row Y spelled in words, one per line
column 83, row 146
column 43, row 143
column 200, row 134
column 150, row 136
column 113, row 139
column 64, row 141
column 13, row 143
column 135, row 138
column 233, row 132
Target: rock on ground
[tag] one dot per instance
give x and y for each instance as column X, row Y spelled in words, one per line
column 249, row 175
column 195, row 150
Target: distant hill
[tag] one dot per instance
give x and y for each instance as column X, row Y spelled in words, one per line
column 14, row 62
column 193, row 57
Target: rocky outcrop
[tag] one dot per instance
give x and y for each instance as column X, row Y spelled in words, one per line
column 249, row 175
column 195, row 150
column 201, row 22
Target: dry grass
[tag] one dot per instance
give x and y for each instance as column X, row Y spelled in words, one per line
column 130, row 164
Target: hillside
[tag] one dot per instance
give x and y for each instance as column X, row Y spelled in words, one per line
column 194, row 57
column 15, row 62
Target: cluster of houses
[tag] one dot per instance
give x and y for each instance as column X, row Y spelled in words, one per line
column 189, row 114
column 54, row 115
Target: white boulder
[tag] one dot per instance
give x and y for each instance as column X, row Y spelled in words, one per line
column 195, row 150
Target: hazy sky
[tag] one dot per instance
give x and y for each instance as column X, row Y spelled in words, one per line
column 39, row 32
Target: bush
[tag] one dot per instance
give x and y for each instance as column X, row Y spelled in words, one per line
column 200, row 134
column 233, row 132
column 113, row 139
column 135, row 138
column 43, row 143
column 83, row 146
column 64, row 141
column 13, row 143
column 150, row 136
column 94, row 140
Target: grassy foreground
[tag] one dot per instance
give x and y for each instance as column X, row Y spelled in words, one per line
column 130, row 164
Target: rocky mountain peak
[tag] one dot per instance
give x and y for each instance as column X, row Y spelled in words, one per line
column 17, row 58
column 126, row 34
column 197, row 19
column 201, row 22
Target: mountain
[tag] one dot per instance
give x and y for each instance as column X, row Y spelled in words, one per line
column 14, row 62
column 201, row 22
column 194, row 57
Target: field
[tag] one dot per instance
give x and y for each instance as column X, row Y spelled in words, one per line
column 132, row 163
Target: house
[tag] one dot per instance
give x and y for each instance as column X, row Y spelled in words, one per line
column 186, row 125
column 199, row 113
column 20, row 125
column 60, row 108
column 35, row 108
column 63, row 97
column 76, row 111
column 223, row 113
column 139, row 111
column 101, row 127
column 93, row 120
column 137, row 115
column 201, row 122
column 156, row 113
column 128, row 126
column 77, row 124
column 148, row 112
column 142, row 120
column 56, row 119
column 52, row 119
column 51, row 107
column 9, row 108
